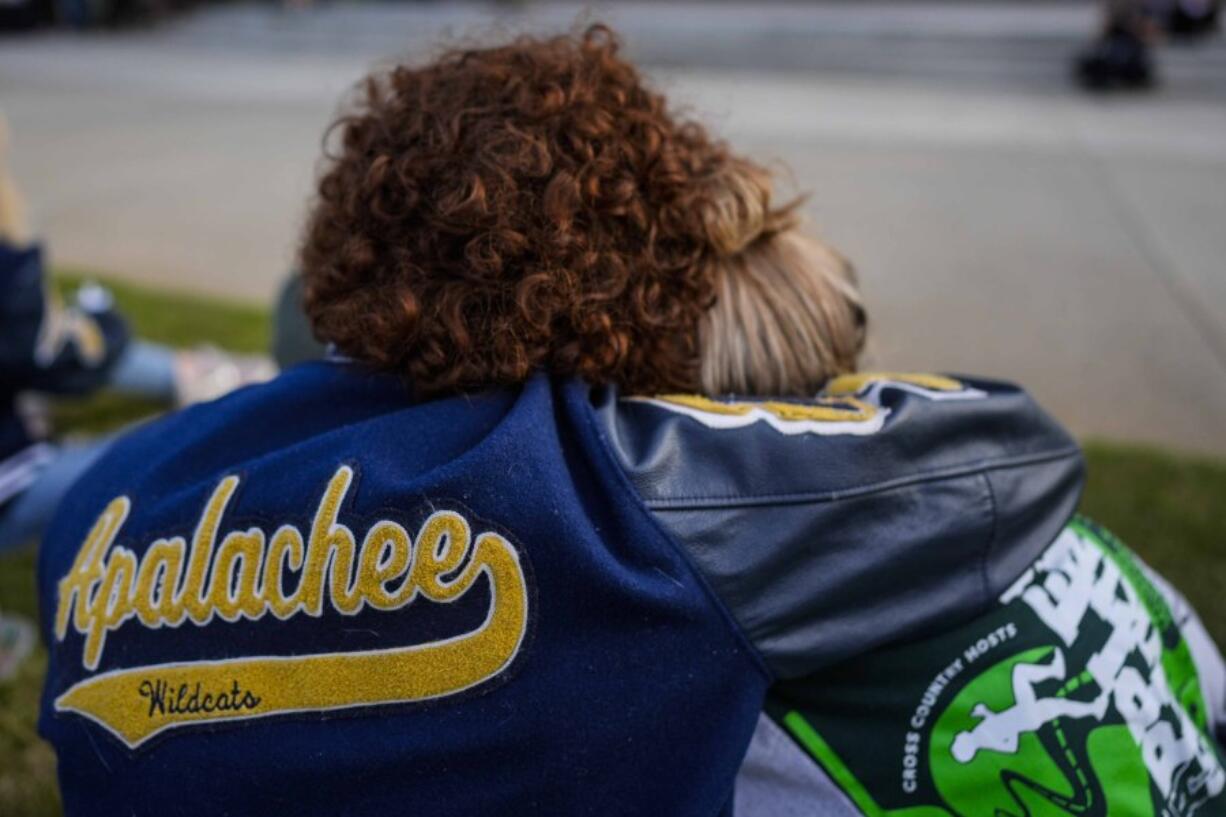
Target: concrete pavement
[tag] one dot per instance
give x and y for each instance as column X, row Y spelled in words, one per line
column 1003, row 223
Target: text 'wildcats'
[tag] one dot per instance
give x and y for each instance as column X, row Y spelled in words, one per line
column 246, row 576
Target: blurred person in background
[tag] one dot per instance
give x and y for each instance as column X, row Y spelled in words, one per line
column 23, row 15
column 591, row 512
column 1121, row 55
column 47, row 348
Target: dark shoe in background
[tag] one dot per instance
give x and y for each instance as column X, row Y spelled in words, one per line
column 1192, row 20
column 23, row 15
column 1119, row 60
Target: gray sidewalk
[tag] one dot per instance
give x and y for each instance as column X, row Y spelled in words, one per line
column 1003, row 223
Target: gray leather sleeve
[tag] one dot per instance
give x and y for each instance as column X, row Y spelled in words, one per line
column 827, row 544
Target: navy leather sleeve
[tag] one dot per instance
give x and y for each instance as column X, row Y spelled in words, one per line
column 886, row 508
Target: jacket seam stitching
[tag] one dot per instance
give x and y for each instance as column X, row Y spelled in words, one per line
column 992, row 536
column 684, row 503
column 646, row 511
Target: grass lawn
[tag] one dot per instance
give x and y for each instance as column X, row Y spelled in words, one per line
column 1171, row 508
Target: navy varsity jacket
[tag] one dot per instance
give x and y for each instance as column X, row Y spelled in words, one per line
column 320, row 597
column 44, row 348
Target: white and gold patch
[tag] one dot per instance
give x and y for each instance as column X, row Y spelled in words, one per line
column 868, row 386
column 62, row 328
column 850, row 404
column 245, row 576
column 821, row 416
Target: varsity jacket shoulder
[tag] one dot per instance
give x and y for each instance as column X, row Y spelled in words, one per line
column 883, row 508
column 945, row 635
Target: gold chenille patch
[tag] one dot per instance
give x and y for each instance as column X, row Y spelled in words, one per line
column 244, row 576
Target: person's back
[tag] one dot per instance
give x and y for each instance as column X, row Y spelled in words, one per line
column 556, row 600
column 516, row 549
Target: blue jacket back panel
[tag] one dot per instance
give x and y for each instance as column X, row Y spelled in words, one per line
column 627, row 685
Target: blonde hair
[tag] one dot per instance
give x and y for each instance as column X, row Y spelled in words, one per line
column 788, row 314
column 14, row 227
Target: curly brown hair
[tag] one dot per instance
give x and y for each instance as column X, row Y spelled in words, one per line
column 526, row 207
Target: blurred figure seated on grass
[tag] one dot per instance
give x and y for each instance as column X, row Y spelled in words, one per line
column 48, row 348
